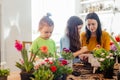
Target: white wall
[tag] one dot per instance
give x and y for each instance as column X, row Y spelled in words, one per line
column 109, row 20
column 116, row 19
column 16, row 25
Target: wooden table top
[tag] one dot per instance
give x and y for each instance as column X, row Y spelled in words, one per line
column 14, row 76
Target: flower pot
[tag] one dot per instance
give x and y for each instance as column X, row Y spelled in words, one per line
column 118, row 59
column 62, row 77
column 108, row 73
column 3, row 77
column 26, row 76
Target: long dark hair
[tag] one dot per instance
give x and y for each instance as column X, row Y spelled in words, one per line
column 98, row 31
column 72, row 32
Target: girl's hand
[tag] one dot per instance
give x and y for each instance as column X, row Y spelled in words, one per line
column 84, row 49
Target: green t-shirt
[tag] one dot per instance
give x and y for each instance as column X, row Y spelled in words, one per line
column 39, row 42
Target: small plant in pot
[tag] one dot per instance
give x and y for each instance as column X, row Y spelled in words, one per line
column 4, row 73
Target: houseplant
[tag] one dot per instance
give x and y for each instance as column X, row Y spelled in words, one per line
column 50, row 67
column 4, row 73
column 115, row 47
column 68, row 55
column 26, row 63
column 61, row 69
column 42, row 70
column 106, row 60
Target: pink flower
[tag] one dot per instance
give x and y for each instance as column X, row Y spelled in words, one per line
column 36, row 67
column 43, row 63
column 64, row 62
column 113, row 47
column 50, row 62
column 18, row 45
column 47, row 60
column 66, row 50
column 22, row 62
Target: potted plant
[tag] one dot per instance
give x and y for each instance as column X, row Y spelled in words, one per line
column 106, row 61
column 4, row 73
column 68, row 55
column 49, row 67
column 62, row 69
column 26, row 63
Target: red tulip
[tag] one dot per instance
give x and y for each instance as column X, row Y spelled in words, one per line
column 117, row 38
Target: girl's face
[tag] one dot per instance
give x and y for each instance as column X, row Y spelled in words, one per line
column 79, row 27
column 46, row 31
column 92, row 25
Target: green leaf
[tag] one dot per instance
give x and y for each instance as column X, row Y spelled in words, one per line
column 4, row 72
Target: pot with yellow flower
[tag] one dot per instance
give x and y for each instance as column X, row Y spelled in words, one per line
column 106, row 61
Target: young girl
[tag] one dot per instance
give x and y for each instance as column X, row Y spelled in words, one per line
column 71, row 39
column 46, row 26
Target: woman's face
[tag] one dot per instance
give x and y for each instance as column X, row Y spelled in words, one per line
column 92, row 25
column 79, row 27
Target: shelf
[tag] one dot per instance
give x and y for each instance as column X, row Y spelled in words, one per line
column 99, row 12
column 98, row 6
column 93, row 1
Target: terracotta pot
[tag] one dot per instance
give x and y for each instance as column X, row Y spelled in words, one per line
column 26, row 76
column 3, row 78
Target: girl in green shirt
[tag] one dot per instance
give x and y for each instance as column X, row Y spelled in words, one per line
column 46, row 26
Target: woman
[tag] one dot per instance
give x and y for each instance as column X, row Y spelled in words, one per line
column 94, row 35
column 71, row 39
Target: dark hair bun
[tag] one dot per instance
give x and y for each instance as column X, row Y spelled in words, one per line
column 48, row 15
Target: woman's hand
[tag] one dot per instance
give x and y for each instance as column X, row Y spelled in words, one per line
column 84, row 55
column 81, row 51
column 84, row 49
